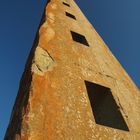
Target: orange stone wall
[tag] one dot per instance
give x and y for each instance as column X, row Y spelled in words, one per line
column 52, row 102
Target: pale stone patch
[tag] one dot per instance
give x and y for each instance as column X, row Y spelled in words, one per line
column 54, row 6
column 42, row 62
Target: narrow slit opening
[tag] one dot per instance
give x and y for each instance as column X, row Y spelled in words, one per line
column 66, row 4
column 79, row 38
column 70, row 15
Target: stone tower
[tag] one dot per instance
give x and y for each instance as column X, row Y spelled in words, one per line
column 73, row 88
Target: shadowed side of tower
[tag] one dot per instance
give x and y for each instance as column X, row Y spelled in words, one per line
column 72, row 86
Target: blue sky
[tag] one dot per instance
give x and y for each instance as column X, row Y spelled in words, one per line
column 116, row 21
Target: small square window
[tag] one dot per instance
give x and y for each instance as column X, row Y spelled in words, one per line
column 70, row 15
column 66, row 4
column 79, row 38
column 104, row 107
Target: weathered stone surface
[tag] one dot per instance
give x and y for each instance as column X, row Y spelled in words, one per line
column 52, row 103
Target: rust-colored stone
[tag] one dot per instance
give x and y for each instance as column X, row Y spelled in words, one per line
column 52, row 102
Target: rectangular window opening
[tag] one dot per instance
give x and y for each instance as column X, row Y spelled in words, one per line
column 79, row 38
column 66, row 4
column 70, row 15
column 104, row 107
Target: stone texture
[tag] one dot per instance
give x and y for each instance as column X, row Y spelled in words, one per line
column 52, row 102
